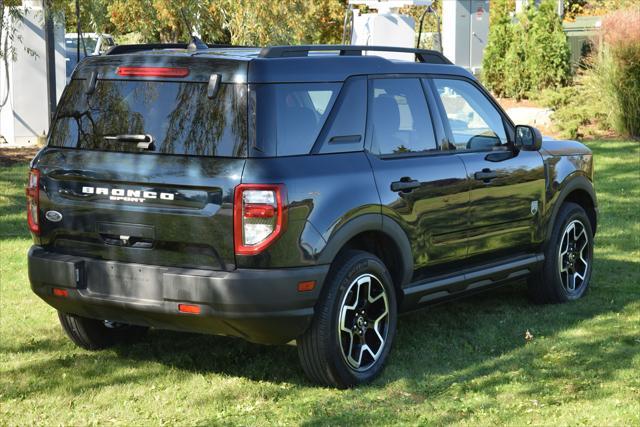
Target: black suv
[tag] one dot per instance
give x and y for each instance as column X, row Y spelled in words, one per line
column 294, row 193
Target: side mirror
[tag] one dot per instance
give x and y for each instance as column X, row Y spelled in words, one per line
column 528, row 138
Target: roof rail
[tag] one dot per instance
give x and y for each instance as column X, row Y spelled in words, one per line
column 132, row 48
column 422, row 55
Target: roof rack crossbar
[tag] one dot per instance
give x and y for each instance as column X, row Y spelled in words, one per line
column 132, row 48
column 422, row 55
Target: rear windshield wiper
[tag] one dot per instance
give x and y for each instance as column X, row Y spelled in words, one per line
column 145, row 142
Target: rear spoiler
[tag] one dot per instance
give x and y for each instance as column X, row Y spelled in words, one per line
column 133, row 48
column 170, row 68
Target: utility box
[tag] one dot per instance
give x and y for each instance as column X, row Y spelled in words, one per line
column 465, row 30
column 583, row 36
column 25, row 116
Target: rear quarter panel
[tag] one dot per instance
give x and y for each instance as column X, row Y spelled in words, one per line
column 324, row 192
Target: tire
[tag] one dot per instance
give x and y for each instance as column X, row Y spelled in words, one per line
column 566, row 272
column 92, row 334
column 341, row 357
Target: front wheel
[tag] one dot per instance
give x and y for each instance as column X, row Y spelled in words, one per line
column 354, row 324
column 568, row 262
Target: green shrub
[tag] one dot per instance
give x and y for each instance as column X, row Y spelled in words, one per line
column 548, row 54
column 498, row 42
column 517, row 78
column 575, row 107
column 527, row 55
column 607, row 94
column 556, row 98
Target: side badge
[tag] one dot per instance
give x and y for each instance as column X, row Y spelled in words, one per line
column 534, row 207
column 53, row 216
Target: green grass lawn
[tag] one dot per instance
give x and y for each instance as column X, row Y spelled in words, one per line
column 464, row 362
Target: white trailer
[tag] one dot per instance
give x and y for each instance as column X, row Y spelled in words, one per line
column 386, row 27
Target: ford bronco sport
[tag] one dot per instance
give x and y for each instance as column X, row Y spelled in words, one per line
column 301, row 194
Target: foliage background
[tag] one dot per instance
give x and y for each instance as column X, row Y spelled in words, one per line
column 242, row 22
column 606, row 93
column 526, row 54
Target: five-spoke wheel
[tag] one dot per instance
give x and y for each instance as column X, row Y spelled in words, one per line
column 363, row 322
column 354, row 323
column 573, row 256
column 568, row 258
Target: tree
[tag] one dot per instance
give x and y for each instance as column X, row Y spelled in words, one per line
column 528, row 54
column 94, row 16
column 517, row 75
column 575, row 8
column 548, row 54
column 494, row 65
column 241, row 22
column 154, row 20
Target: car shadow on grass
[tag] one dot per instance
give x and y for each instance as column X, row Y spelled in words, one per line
column 435, row 348
column 472, row 345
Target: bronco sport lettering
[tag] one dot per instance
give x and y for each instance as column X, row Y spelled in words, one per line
column 119, row 194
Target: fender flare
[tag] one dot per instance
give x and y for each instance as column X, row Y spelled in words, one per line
column 377, row 223
column 570, row 184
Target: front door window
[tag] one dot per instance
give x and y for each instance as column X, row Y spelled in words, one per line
column 475, row 123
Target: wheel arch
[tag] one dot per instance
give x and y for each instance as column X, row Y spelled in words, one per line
column 578, row 189
column 379, row 235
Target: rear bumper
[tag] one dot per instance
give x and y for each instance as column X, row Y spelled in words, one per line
column 261, row 306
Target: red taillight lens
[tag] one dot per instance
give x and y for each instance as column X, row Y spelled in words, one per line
column 152, row 71
column 259, row 211
column 33, row 201
column 259, row 216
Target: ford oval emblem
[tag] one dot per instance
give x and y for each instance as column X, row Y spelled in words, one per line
column 53, row 216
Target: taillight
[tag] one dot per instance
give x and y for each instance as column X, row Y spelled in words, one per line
column 152, row 71
column 259, row 216
column 33, row 201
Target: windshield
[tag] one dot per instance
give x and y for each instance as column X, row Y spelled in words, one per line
column 177, row 116
column 87, row 43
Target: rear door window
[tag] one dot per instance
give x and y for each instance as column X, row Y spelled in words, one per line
column 289, row 117
column 178, row 116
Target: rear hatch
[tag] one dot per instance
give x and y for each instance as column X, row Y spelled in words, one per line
column 143, row 159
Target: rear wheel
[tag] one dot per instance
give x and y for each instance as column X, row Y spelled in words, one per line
column 568, row 262
column 354, row 325
column 92, row 334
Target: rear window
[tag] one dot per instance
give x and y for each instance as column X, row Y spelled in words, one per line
column 178, row 116
column 289, row 117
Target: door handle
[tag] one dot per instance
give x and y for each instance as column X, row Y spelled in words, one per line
column 345, row 139
column 486, row 175
column 405, row 185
